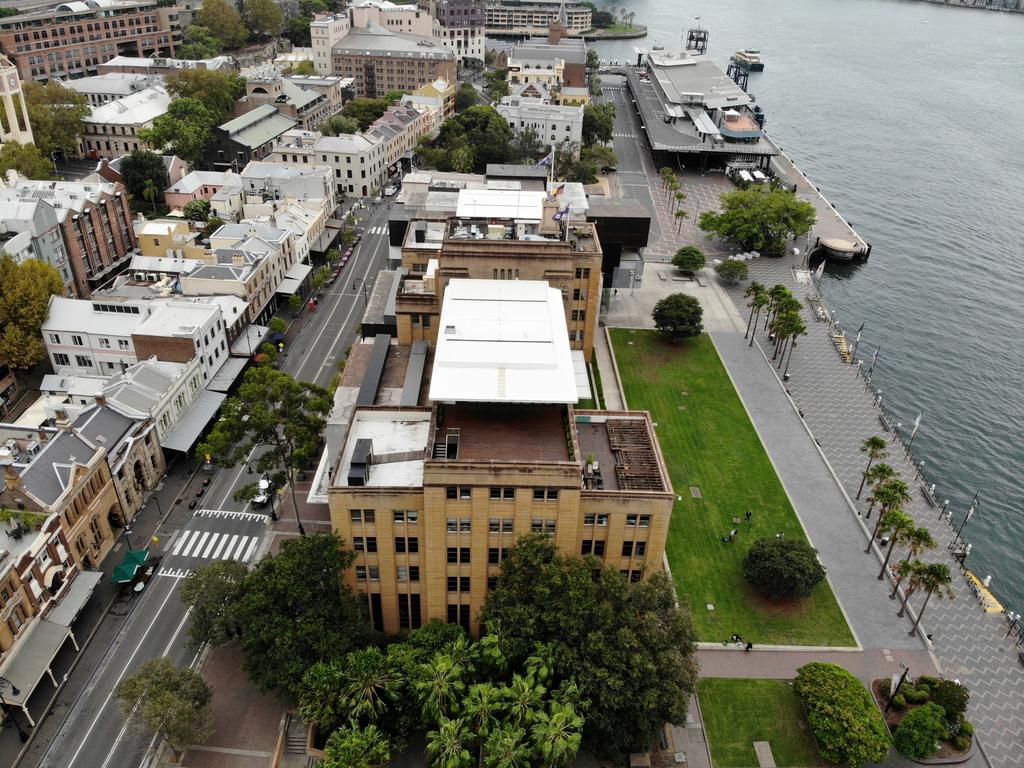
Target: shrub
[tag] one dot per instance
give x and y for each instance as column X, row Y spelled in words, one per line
column 847, row 724
column 952, row 697
column 916, row 696
column 783, row 569
column 923, row 688
column 731, row 271
column 928, row 680
column 919, row 732
column 678, row 316
column 898, row 701
column 966, row 728
column 962, row 742
column 689, row 258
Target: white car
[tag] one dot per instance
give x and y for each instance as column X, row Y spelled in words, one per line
column 389, row 190
column 263, row 494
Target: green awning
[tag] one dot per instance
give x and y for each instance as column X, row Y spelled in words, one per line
column 133, row 559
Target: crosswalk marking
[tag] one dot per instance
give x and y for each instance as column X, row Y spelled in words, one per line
column 248, row 552
column 231, row 545
column 230, row 514
column 199, row 545
column 174, row 573
column 181, row 542
column 210, row 545
column 209, row 548
column 377, row 230
column 241, row 546
column 220, row 546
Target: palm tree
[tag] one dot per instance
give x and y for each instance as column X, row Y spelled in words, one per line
column 680, row 196
column 680, row 215
column 507, row 747
column 753, row 292
column 446, row 747
column 935, row 580
column 370, row 684
column 900, row 528
column 876, row 448
column 482, row 707
column 522, row 699
column 439, row 689
column 775, row 294
column 920, row 540
column 665, row 173
column 556, row 736
column 877, row 475
column 914, row 573
column 794, row 328
column 892, row 494
column 886, row 521
column 150, row 192
column 781, row 325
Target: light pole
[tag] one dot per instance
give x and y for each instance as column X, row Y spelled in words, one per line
column 359, row 283
column 942, row 509
column 5, row 683
column 970, row 513
column 1013, row 618
column 894, row 691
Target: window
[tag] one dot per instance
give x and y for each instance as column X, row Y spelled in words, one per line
column 409, row 615
column 640, row 549
column 77, row 341
column 54, row 338
column 361, row 573
column 453, row 554
column 461, row 492
column 645, row 521
column 545, row 494
column 503, row 494
column 583, row 273
column 464, row 525
column 453, row 525
column 496, row 555
column 83, row 361
column 122, row 344
column 602, row 520
column 362, row 515
column 587, row 548
column 579, row 315
column 631, row 520
column 402, row 573
column 368, row 544
column 634, row 576
column 459, row 614
column 627, row 549
column 374, row 573
column 588, row 519
column 458, row 583
column 105, row 343
column 61, row 359
column 407, row 544
column 492, row 582
column 576, row 294
column 409, row 516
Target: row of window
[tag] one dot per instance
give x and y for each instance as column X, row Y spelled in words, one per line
column 465, row 493
column 409, row 516
column 495, row 524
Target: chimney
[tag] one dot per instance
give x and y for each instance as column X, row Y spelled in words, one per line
column 12, row 480
column 101, row 399
column 62, row 421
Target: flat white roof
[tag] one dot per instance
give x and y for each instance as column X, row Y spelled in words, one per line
column 391, row 432
column 500, row 204
column 503, row 342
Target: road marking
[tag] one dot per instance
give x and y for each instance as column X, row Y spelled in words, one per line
column 223, row 541
column 200, row 541
column 181, row 542
column 249, row 551
column 231, row 544
column 209, row 547
column 230, row 514
column 131, row 658
column 241, row 546
column 174, row 573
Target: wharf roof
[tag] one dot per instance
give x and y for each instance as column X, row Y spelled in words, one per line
column 135, row 109
column 502, row 342
column 375, row 39
column 681, row 77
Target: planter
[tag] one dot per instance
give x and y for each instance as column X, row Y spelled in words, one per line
column 947, row 754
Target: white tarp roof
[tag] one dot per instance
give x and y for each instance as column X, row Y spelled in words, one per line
column 194, row 420
column 500, row 204
column 503, row 342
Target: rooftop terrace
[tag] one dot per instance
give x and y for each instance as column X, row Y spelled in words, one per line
column 501, row 433
column 626, row 455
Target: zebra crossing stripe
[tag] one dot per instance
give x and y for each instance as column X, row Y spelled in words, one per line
column 181, row 542
column 209, row 547
column 241, row 547
column 249, row 551
column 198, row 543
column 230, row 545
column 220, row 546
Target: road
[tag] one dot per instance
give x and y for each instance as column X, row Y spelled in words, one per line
column 95, row 732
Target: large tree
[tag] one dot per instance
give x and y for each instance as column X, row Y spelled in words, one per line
column 365, row 111
column 296, row 610
column 174, row 703
column 628, row 646
column 224, row 22
column 217, row 90
column 264, row 18
column 598, row 122
column 678, row 316
column 57, row 115
column 26, row 159
column 470, row 141
column 201, row 43
column 142, row 166
column 212, row 592
column 273, row 423
column 783, row 569
column 759, row 218
column 25, row 291
column 336, row 125
column 184, row 130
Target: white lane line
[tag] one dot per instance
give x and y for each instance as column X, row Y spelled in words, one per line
column 99, row 712
column 199, row 545
column 181, row 541
column 223, row 541
column 209, row 547
column 231, row 544
column 238, row 474
column 249, row 551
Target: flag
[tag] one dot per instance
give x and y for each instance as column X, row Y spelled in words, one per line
column 858, row 332
column 820, row 270
column 558, row 190
column 546, row 160
column 917, row 423
column 561, row 213
column 970, row 511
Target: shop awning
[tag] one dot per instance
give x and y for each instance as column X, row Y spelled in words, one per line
column 194, row 420
column 293, row 278
column 74, row 600
column 248, row 342
column 225, row 378
column 133, row 560
column 30, row 659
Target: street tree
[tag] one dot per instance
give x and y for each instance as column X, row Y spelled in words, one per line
column 57, row 115
column 497, row 83
column 224, row 22
column 297, row 32
column 876, row 448
column 264, row 18
column 889, row 519
column 25, row 291
column 783, row 569
column 173, row 703
column 273, row 423
column 689, row 259
column 465, row 97
column 480, row 131
column 678, row 316
column 899, row 528
column 919, row 540
column 218, row 91
column 732, row 271
column 142, row 166
column 526, row 146
column 757, row 295
column 934, row 581
column 354, row 747
column 337, row 125
column 365, row 111
column 878, row 475
column 794, row 329
column 296, row 610
column 213, row 592
column 628, row 645
column 598, row 123
column 448, row 745
column 759, row 218
column 200, row 43
column 910, row 572
column 890, row 495
column 26, row 159
column 184, row 130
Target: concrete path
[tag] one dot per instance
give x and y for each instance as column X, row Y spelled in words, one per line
column 609, row 381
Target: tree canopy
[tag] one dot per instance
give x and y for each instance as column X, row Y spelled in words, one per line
column 497, row 83
column 627, row 646
column 197, row 210
column 296, row 610
column 759, row 218
column 224, row 22
column 731, row 271
column 213, row 592
column 783, row 569
column 678, row 316
column 200, row 43
column 26, row 159
column 598, row 122
column 336, row 125
column 172, row 702
column 184, row 130
column 365, row 111
column 264, row 18
column 919, row 732
column 57, row 115
column 689, row 258
column 25, row 291
column 465, row 97
column 217, row 90
column 469, row 141
column 142, row 166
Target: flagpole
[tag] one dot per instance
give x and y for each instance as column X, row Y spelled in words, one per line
column 857, row 343
column 874, row 359
column 968, row 516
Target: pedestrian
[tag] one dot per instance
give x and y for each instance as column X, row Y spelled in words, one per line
column 748, row 515
column 750, row 646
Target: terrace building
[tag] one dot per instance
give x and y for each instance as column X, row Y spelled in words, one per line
column 443, row 456
column 459, row 25
column 112, row 129
column 248, row 137
column 534, row 17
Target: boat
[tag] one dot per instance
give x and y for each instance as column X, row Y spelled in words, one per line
column 748, row 59
column 659, row 48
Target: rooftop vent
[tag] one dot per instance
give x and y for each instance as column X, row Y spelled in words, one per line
column 362, row 457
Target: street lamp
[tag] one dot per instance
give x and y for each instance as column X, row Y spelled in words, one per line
column 1013, row 618
column 359, row 283
column 154, row 497
column 970, row 513
column 5, row 683
column 942, row 509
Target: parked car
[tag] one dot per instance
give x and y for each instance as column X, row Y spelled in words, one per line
column 389, row 190
column 263, row 492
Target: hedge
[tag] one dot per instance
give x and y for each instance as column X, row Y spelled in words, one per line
column 919, row 733
column 845, row 721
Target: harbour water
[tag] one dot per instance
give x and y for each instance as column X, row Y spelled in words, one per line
column 907, row 116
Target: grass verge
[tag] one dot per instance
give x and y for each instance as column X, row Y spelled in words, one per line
column 710, row 445
column 738, row 711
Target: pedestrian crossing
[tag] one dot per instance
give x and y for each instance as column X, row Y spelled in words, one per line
column 229, row 514
column 211, row 535
column 377, row 230
column 210, row 545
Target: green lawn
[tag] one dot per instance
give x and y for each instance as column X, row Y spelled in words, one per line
column 737, row 712
column 709, row 442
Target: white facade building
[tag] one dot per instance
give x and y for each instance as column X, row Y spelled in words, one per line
column 325, row 31
column 555, row 125
column 113, row 129
column 14, row 124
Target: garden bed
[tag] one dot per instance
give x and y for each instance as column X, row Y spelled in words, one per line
column 908, row 699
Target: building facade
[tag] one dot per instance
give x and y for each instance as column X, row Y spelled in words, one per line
column 460, row 26
column 510, row 17
column 248, row 137
column 112, row 129
column 379, row 61
column 14, row 124
column 31, row 229
column 555, row 126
